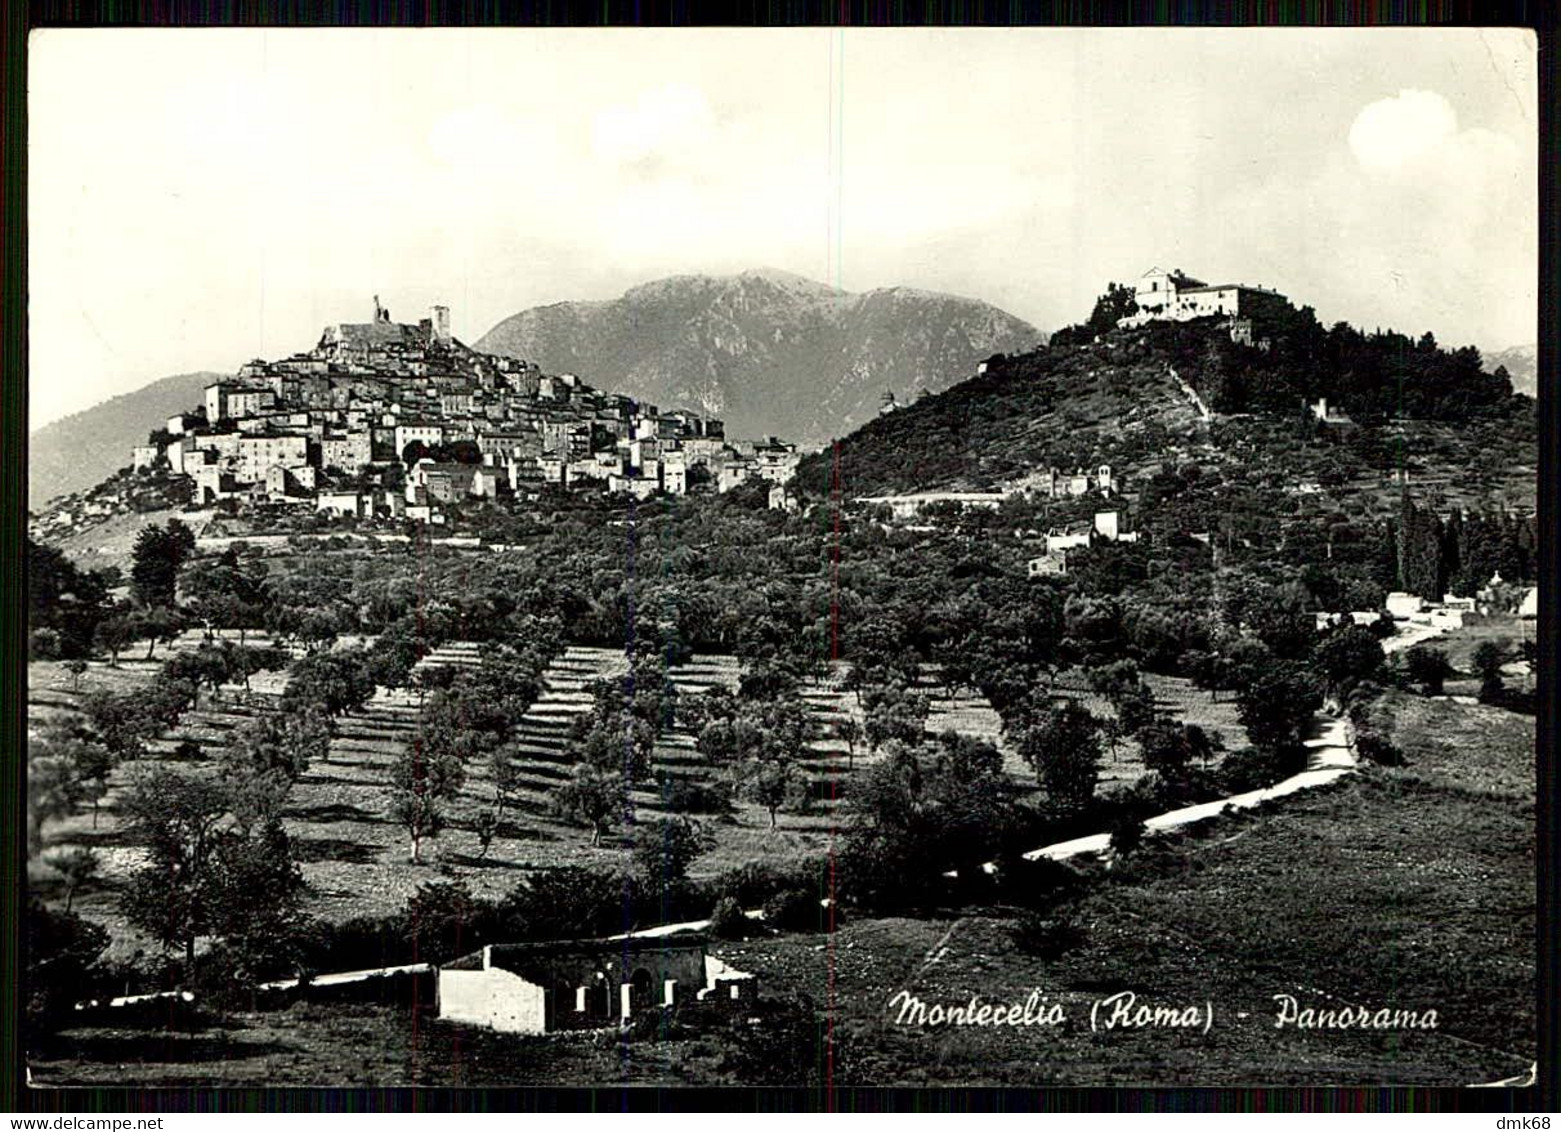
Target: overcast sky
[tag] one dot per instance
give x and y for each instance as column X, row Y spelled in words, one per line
column 198, row 198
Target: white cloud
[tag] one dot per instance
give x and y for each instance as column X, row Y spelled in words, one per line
column 666, row 121
column 1396, row 132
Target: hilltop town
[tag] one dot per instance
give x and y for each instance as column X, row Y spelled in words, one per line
column 389, row 420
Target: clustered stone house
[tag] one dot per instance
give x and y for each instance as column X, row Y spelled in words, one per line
column 1049, row 483
column 1106, row 527
column 291, row 431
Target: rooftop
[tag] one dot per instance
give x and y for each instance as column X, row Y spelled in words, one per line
column 512, row 955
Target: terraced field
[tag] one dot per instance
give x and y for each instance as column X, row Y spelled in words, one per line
column 356, row 859
column 352, row 854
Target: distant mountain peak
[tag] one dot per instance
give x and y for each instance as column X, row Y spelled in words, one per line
column 770, row 351
column 1522, row 365
column 790, row 279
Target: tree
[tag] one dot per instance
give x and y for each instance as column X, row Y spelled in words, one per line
column 1127, row 834
column 1135, row 710
column 54, row 790
column 1427, row 666
column 119, row 722
column 336, row 681
column 1116, row 679
column 697, row 712
column 1170, row 748
column 285, row 742
column 439, row 919
column 159, row 552
column 1063, row 747
column 257, row 891
column 504, row 773
column 176, row 817
column 61, row 951
column 203, row 667
column 424, row 777
column 921, row 811
column 1422, row 567
column 593, row 797
column 93, row 765
column 1488, row 658
column 663, row 852
column 113, row 635
column 64, row 600
column 158, row 625
column 619, row 743
column 1207, row 670
column 1276, row 708
column 1110, row 308
column 771, row 783
column 894, row 714
column 486, row 827
column 1349, row 655
column 566, row 902
column 75, row 867
column 245, row 661
column 849, row 732
column 223, row 595
column 77, row 669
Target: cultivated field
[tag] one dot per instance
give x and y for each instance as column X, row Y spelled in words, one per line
column 355, row 858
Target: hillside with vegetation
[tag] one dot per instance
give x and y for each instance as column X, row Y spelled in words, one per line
column 1125, row 397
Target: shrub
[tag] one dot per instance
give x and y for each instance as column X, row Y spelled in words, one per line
column 1127, row 833
column 360, row 943
column 1427, row 666
column 1041, row 883
column 797, row 909
column 44, row 644
column 788, row 1044
column 1377, row 749
column 1048, row 937
column 692, row 796
column 728, row 921
column 1251, row 768
column 752, row 883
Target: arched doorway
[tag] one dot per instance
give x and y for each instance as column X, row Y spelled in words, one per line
column 599, row 996
column 642, row 989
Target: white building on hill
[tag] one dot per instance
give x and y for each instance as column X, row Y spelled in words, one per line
column 1174, row 296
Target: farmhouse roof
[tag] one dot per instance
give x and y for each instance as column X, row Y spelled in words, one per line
column 521, row 956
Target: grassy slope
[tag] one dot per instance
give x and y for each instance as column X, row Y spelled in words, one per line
column 112, row 541
column 1406, row 888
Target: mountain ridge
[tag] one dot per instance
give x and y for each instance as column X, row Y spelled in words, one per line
column 769, row 351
